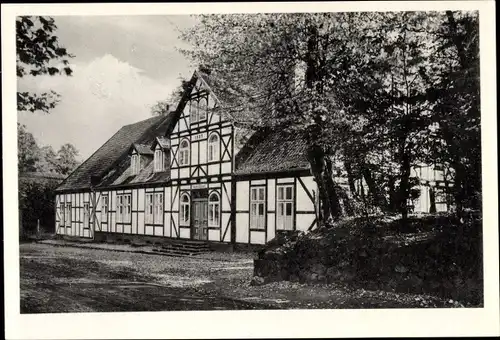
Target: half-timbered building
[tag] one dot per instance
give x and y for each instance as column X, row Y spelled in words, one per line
column 186, row 175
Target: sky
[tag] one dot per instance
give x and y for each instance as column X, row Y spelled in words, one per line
column 122, row 66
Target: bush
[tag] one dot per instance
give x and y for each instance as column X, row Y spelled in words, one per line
column 37, row 203
column 439, row 255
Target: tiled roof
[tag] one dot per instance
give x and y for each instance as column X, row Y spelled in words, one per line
column 271, row 151
column 106, row 162
column 142, row 149
column 42, row 175
column 122, row 175
column 164, row 142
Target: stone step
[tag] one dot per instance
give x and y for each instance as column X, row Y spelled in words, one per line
column 185, row 246
column 187, row 241
column 175, row 252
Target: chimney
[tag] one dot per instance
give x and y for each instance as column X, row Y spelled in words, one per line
column 167, row 110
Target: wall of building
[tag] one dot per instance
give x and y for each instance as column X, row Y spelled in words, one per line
column 304, row 190
column 76, row 225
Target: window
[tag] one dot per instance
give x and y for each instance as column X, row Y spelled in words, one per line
column 86, row 215
column 154, row 208
column 135, row 164
column 67, row 216
column 285, row 207
column 158, row 165
column 184, row 153
column 202, row 109
column 193, row 111
column 123, row 208
column 104, row 208
column 62, row 213
column 158, row 208
column 185, row 207
column 213, row 148
column 257, row 207
column 213, row 210
column 149, row 208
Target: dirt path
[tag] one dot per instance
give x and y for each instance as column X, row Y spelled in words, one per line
column 64, row 279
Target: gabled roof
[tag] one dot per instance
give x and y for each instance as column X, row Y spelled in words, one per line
column 272, row 151
column 141, row 149
column 162, row 141
column 109, row 156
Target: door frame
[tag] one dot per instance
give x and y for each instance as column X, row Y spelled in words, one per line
column 201, row 202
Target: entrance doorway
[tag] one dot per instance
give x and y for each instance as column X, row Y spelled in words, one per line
column 199, row 223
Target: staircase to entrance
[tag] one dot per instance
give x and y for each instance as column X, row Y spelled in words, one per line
column 182, row 247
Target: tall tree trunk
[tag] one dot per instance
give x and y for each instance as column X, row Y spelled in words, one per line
column 373, row 189
column 393, row 201
column 322, row 170
column 350, row 178
column 404, row 190
column 432, row 199
column 459, row 192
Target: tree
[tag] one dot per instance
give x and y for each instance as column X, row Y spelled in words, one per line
column 48, row 160
column 165, row 106
column 316, row 75
column 33, row 158
column 160, row 108
column 66, row 159
column 456, row 138
column 366, row 89
column 39, row 53
column 27, row 150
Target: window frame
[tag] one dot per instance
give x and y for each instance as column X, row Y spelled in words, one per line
column 124, row 208
column 282, row 222
column 149, row 208
column 153, row 208
column 135, row 163
column 67, row 216
column 104, row 208
column 193, row 111
column 213, row 147
column 202, row 109
column 214, row 213
column 184, row 206
column 158, row 208
column 258, row 221
column 184, row 153
column 159, row 160
column 62, row 213
column 86, row 215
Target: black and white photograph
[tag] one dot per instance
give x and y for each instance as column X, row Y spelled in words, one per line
column 261, row 160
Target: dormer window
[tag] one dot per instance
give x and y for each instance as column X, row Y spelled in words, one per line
column 140, row 155
column 135, row 164
column 159, row 160
column 160, row 148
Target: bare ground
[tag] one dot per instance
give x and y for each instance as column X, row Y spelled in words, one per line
column 66, row 279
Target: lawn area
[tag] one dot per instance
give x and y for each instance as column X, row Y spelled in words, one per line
column 66, row 279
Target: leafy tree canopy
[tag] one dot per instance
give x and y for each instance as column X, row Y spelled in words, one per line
column 39, row 53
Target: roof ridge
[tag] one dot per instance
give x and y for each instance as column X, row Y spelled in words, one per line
column 153, row 126
column 141, row 121
column 88, row 158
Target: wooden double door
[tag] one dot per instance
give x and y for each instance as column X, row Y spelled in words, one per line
column 199, row 221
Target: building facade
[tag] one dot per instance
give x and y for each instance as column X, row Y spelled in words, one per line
column 187, row 175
